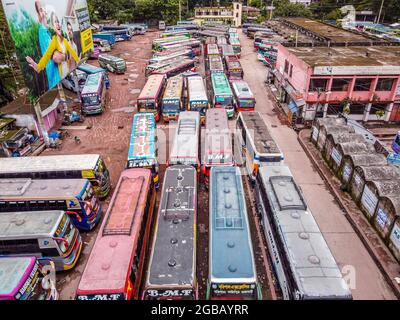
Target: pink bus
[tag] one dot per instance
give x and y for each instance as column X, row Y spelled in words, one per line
column 115, row 265
column 23, row 278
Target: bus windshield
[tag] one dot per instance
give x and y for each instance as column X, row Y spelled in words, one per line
column 246, row 103
column 90, row 99
column 147, row 105
column 225, row 101
column 171, row 105
column 200, row 106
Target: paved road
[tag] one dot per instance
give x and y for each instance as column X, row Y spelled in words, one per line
column 348, row 250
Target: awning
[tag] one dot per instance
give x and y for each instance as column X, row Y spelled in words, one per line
column 293, row 106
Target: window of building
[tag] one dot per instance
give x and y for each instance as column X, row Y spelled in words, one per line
column 340, row 84
column 286, row 66
column 384, row 84
column 318, row 85
column 362, row 85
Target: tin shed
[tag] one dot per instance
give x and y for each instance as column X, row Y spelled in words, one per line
column 327, row 129
column 387, row 211
column 342, row 149
column 373, row 191
column 351, row 161
column 363, row 174
column 394, row 239
column 324, row 121
column 333, row 139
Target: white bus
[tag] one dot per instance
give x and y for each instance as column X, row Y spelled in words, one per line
column 197, row 96
column 45, row 234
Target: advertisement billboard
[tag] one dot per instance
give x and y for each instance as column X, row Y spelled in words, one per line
column 50, row 37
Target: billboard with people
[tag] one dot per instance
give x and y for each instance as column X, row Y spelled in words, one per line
column 50, row 37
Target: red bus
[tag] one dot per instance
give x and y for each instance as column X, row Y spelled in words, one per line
column 234, row 69
column 176, row 68
column 151, row 95
column 115, row 265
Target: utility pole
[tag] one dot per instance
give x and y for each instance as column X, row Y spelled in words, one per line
column 270, row 14
column 380, row 11
column 180, row 11
column 41, row 125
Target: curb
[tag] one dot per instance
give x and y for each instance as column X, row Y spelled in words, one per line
column 371, row 250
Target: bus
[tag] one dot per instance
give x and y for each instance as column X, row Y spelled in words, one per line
column 171, row 273
column 215, row 65
column 195, row 45
column 154, row 67
column 218, row 148
column 222, row 93
column 112, row 63
column 149, row 99
column 180, row 54
column 197, row 96
column 172, row 101
column 245, row 100
column 235, row 43
column 23, row 278
column 166, row 53
column 176, row 68
column 234, row 69
column 43, row 234
column 227, row 50
column 160, row 41
column 74, row 196
column 211, row 40
column 116, row 263
column 90, row 69
column 84, row 166
column 143, row 149
column 258, row 146
column 221, row 41
column 303, row 264
column 93, row 95
column 232, row 270
column 212, row 50
column 186, row 145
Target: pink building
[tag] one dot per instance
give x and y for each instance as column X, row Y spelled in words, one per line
column 324, row 81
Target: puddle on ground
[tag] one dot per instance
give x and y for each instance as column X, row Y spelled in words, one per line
column 135, row 91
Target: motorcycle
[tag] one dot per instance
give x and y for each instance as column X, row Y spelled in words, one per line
column 71, row 117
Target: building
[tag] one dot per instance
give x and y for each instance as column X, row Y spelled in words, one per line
column 322, row 71
column 226, row 15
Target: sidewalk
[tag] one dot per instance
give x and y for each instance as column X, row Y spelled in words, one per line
column 371, row 240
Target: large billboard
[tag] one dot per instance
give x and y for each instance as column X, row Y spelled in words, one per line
column 50, row 37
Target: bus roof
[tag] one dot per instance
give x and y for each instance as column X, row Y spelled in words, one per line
column 232, row 62
column 234, row 41
column 13, row 270
column 110, row 58
column 48, row 163
column 112, row 254
column 227, row 50
column 152, row 87
column 196, row 88
column 220, row 84
column 165, row 70
column 212, row 49
column 174, row 88
column 260, row 135
column 143, row 137
column 311, row 262
column 41, row 189
column 175, row 264
column 242, row 89
column 218, row 138
column 186, row 141
column 216, row 64
column 88, row 68
column 93, row 83
column 231, row 251
column 26, row 224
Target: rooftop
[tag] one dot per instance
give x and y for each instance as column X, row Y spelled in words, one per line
column 348, row 56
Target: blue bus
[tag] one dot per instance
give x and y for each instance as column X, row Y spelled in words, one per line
column 74, row 196
column 120, row 34
column 105, row 36
column 232, row 271
column 90, row 69
column 143, row 151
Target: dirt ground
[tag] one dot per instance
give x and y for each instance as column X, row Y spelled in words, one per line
column 108, row 134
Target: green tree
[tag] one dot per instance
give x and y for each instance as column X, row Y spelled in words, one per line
column 284, row 8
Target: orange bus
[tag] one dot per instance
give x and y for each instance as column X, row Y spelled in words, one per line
column 115, row 265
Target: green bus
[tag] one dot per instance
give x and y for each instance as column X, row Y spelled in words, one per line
column 222, row 93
